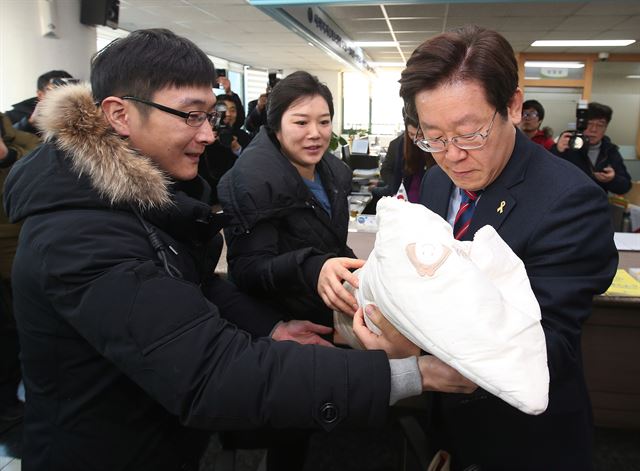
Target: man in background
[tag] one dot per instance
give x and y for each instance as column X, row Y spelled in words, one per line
column 599, row 158
column 23, row 114
column 13, row 145
column 532, row 116
column 219, row 156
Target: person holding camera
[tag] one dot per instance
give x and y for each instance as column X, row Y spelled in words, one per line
column 598, row 157
column 222, row 154
column 225, row 84
column 23, row 115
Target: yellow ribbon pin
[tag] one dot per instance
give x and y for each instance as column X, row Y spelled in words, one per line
column 501, row 207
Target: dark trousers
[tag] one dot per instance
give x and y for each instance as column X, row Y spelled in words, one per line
column 9, row 348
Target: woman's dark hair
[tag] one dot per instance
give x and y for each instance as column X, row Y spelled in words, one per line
column 290, row 89
column 470, row 53
column 414, row 158
column 146, row 61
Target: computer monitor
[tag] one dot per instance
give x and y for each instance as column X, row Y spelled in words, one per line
column 360, row 146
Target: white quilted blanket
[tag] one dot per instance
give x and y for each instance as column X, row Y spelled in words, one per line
column 468, row 303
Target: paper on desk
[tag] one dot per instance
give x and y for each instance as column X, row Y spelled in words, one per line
column 623, row 285
column 627, row 241
column 366, row 172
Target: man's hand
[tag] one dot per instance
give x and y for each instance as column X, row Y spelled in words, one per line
column 303, row 332
column 563, row 141
column 390, row 339
column 262, row 102
column 226, row 84
column 3, row 149
column 438, row 376
column 606, row 175
column 235, row 145
column 332, row 274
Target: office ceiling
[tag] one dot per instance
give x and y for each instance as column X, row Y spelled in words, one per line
column 237, row 31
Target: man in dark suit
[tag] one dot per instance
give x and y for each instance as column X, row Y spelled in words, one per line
column 463, row 88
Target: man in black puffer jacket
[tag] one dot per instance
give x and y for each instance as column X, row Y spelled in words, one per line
column 126, row 356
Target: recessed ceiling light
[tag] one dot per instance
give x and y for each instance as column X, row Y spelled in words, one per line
column 555, row 65
column 633, row 76
column 583, row 42
column 387, row 64
column 375, row 43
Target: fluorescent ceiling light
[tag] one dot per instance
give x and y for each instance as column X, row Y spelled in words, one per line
column 583, row 42
column 533, row 78
column 375, row 43
column 633, row 76
column 387, row 64
column 555, row 65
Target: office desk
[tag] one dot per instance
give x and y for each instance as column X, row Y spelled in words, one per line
column 611, row 352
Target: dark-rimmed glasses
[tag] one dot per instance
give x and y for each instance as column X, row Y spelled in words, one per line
column 474, row 140
column 529, row 114
column 195, row 119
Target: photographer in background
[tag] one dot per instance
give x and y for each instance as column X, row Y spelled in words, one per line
column 257, row 110
column 532, row 116
column 23, row 114
column 225, row 84
column 220, row 156
column 598, row 157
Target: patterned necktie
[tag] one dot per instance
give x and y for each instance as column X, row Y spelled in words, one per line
column 465, row 212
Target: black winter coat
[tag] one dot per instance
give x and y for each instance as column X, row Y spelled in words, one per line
column 609, row 155
column 122, row 361
column 279, row 236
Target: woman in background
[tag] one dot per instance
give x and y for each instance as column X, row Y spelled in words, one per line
column 287, row 240
column 405, row 164
column 287, row 196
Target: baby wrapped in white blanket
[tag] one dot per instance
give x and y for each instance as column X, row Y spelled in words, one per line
column 468, row 303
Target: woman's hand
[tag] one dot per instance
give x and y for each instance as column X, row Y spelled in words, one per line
column 390, row 339
column 303, row 332
column 333, row 273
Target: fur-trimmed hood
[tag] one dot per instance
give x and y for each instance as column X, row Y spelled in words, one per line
column 70, row 116
column 83, row 163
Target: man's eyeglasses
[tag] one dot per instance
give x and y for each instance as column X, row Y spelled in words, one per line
column 471, row 141
column 529, row 114
column 194, row 119
column 598, row 125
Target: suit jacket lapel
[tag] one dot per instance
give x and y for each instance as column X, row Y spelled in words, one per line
column 497, row 201
column 436, row 191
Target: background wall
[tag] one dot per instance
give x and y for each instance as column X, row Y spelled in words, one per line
column 25, row 53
